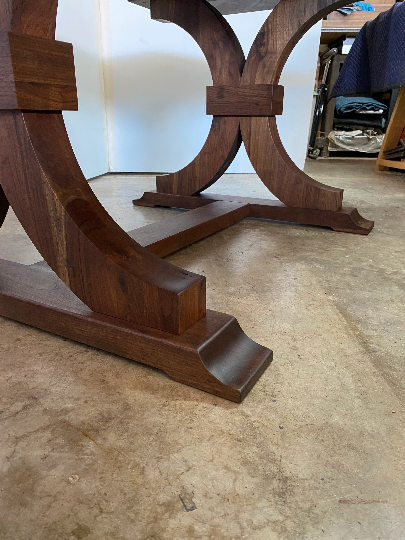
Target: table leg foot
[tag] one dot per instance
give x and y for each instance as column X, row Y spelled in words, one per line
column 214, row 355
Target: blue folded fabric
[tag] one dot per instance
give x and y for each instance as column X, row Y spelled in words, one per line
column 364, row 6
column 376, row 61
column 347, row 105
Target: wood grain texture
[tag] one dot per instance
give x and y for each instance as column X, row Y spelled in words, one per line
column 225, row 59
column 107, row 290
column 77, row 237
column 214, row 355
column 36, row 73
column 257, row 100
column 283, row 29
column 393, row 134
column 279, row 173
column 170, row 235
column 4, row 206
column 29, row 17
column 81, row 243
column 281, row 32
column 151, row 199
column 345, row 220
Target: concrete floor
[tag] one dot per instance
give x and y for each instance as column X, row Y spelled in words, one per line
column 96, row 447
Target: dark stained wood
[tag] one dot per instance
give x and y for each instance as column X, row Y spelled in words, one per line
column 172, row 234
column 279, row 173
column 226, row 60
column 345, row 220
column 288, row 22
column 29, row 17
column 4, row 206
column 214, row 355
column 36, row 74
column 77, row 237
column 281, row 32
column 393, row 135
column 111, row 292
column 256, row 100
column 115, row 294
column 81, row 243
column 169, row 200
column 274, row 43
column 217, row 154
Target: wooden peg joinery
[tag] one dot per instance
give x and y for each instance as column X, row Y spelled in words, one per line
column 254, row 100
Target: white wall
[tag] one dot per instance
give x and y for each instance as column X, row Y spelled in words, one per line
column 78, row 23
column 159, row 79
column 298, row 78
column 142, row 88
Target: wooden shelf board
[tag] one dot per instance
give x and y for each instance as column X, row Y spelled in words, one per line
column 391, row 164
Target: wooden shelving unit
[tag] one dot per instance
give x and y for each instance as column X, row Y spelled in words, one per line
column 392, row 136
column 356, row 20
column 337, row 24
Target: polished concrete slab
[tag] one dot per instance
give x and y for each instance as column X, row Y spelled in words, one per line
column 96, row 447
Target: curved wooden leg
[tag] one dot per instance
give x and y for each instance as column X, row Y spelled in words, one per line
column 217, row 154
column 53, row 201
column 288, row 22
column 37, row 20
column 79, row 240
column 320, row 204
column 279, row 173
column 226, row 60
column 107, row 290
column 110, row 271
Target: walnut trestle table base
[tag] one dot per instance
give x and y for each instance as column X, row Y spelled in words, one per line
column 98, row 285
column 245, row 100
column 112, row 290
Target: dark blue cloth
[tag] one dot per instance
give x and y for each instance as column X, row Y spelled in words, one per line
column 348, row 105
column 376, row 61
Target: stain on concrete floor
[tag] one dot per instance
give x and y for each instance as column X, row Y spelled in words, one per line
column 95, row 447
